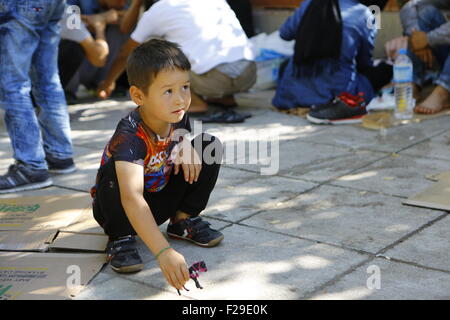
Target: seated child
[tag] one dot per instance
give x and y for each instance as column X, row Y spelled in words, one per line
column 332, row 56
column 140, row 183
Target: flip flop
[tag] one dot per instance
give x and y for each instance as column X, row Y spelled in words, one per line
column 228, row 116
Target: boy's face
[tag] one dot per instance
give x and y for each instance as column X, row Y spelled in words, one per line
column 169, row 96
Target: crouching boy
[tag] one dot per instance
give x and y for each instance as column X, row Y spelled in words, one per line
column 150, row 173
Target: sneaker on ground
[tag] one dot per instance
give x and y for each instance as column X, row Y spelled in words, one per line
column 195, row 230
column 344, row 109
column 60, row 166
column 21, row 178
column 123, row 255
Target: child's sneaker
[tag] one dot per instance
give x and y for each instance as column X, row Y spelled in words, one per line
column 60, row 166
column 123, row 255
column 344, row 109
column 21, row 178
column 195, row 230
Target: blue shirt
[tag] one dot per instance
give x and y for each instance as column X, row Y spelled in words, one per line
column 356, row 51
column 89, row 6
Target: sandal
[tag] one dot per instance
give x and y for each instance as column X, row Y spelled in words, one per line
column 228, row 116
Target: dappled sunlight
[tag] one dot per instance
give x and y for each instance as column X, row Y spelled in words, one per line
column 398, row 228
column 312, row 262
column 359, row 176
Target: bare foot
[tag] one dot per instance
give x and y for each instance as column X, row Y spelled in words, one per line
column 197, row 104
column 435, row 102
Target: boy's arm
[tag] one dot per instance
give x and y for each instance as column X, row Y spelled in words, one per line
column 131, row 185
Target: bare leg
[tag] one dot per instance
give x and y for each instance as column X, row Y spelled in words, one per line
column 197, row 104
column 435, row 102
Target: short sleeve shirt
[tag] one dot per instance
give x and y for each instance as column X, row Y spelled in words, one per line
column 134, row 142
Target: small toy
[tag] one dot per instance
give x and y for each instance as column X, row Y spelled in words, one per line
column 194, row 271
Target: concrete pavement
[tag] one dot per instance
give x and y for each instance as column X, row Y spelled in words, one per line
column 322, row 227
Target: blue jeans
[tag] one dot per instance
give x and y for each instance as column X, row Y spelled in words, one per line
column 431, row 18
column 29, row 80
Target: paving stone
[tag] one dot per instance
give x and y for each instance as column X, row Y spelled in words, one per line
column 354, row 219
column 254, row 264
column 118, row 288
column 398, row 175
column 427, row 248
column 398, row 281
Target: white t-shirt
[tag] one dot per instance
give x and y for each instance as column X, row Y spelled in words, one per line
column 207, row 31
column 69, row 31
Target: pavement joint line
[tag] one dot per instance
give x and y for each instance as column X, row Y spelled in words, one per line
column 414, row 264
column 69, row 188
column 336, row 245
column 334, row 280
column 368, row 191
column 412, row 233
column 124, row 277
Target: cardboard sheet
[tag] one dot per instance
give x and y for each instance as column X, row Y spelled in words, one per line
column 26, row 240
column 80, row 242
column 33, row 276
column 42, row 213
column 435, row 197
column 385, row 119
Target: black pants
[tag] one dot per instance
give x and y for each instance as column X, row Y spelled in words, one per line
column 70, row 57
column 176, row 195
column 378, row 76
column 243, row 11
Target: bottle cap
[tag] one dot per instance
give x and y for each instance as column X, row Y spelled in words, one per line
column 402, row 51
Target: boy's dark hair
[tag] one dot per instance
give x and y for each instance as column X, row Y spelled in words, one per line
column 150, row 58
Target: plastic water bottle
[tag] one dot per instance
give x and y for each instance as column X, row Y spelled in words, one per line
column 403, row 77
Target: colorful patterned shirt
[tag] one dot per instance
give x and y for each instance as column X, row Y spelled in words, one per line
column 134, row 142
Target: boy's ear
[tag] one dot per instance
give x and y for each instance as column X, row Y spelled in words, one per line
column 137, row 95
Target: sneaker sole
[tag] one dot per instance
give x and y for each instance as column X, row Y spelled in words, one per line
column 354, row 120
column 30, row 186
column 63, row 171
column 210, row 244
column 128, row 269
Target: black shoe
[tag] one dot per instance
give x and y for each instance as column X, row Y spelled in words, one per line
column 21, row 178
column 344, row 109
column 195, row 230
column 123, row 255
column 60, row 166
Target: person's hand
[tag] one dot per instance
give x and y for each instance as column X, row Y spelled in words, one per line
column 105, row 89
column 111, row 16
column 94, row 21
column 187, row 158
column 419, row 40
column 174, row 268
column 393, row 46
column 426, row 55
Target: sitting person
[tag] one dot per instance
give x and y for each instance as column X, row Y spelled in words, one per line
column 84, row 58
column 213, row 40
column 429, row 36
column 150, row 172
column 332, row 56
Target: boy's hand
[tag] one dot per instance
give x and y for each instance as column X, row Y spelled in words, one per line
column 174, row 268
column 189, row 160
